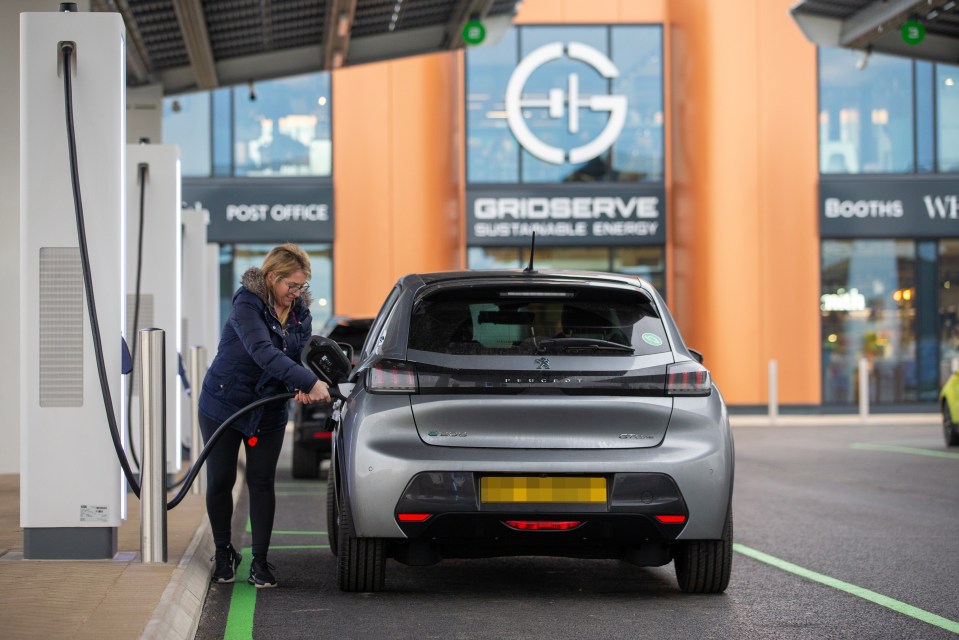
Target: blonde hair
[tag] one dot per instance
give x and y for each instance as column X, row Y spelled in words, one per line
column 283, row 261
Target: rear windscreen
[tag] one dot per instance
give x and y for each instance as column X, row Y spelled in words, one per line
column 524, row 321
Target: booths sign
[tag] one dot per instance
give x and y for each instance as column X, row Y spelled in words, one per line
column 913, row 207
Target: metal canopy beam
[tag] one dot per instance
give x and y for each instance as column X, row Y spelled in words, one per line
column 189, row 13
column 336, row 32
column 878, row 18
column 136, row 59
column 875, row 26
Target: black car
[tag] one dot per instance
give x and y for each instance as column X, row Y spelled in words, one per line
column 311, row 423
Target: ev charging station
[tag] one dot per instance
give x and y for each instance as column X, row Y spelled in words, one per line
column 153, row 172
column 72, row 494
column 199, row 297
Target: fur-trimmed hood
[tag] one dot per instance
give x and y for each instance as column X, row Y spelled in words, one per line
column 254, row 279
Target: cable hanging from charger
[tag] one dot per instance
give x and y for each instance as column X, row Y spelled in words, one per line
column 66, row 49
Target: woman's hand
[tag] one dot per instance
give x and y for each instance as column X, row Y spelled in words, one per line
column 319, row 393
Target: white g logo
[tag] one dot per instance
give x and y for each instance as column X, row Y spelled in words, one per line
column 615, row 104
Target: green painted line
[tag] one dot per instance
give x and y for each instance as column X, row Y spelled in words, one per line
column 239, row 621
column 249, row 529
column 860, row 592
column 890, row 448
column 299, row 546
column 300, row 533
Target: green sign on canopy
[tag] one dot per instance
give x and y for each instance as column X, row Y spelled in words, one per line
column 474, row 32
column 913, row 32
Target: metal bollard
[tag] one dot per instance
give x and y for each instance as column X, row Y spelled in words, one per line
column 153, row 530
column 863, row 389
column 197, row 373
column 773, row 392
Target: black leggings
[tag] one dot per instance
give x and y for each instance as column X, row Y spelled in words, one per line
column 221, row 467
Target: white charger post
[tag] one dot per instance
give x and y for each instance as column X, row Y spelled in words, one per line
column 197, row 301
column 71, row 490
column 160, row 276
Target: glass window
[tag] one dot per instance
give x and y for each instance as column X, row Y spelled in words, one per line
column 491, row 320
column 648, row 263
column 236, row 259
column 493, row 151
column 947, row 117
column 868, row 305
column 948, row 308
column 493, row 258
column 584, row 258
column 560, row 129
column 282, row 127
column 925, row 118
column 638, row 152
column 186, row 123
column 865, row 113
column 222, row 130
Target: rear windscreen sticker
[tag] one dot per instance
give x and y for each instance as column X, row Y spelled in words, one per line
column 652, row 339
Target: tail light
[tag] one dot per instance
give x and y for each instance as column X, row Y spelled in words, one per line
column 687, row 379
column 391, row 376
column 671, row 519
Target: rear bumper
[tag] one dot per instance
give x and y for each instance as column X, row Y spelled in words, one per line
column 642, row 511
column 381, row 452
column 635, row 538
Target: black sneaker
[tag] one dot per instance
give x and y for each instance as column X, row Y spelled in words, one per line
column 261, row 573
column 227, row 560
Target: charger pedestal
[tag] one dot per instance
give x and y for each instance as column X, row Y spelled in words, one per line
column 72, row 497
column 161, row 280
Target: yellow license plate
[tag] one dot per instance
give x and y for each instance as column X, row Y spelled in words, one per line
column 538, row 489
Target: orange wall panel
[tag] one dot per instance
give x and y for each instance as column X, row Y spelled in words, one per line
column 788, row 205
column 743, row 160
column 363, row 249
column 590, row 11
column 396, row 187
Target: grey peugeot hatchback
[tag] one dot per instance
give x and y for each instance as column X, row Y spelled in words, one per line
column 557, row 413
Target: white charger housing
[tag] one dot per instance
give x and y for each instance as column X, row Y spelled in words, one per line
column 72, row 496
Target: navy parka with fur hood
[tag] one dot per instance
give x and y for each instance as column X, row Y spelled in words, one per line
column 258, row 358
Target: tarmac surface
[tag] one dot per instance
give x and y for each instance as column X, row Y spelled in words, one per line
column 124, row 598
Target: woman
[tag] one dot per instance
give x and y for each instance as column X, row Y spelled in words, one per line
column 258, row 356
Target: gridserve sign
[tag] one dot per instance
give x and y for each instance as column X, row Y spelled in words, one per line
column 500, row 215
column 566, row 213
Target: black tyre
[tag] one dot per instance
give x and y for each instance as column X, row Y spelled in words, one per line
column 949, row 428
column 361, row 562
column 704, row 566
column 332, row 521
column 306, row 462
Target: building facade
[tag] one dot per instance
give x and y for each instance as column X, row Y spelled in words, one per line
column 794, row 205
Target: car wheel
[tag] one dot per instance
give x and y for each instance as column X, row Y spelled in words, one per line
column 332, row 521
column 306, row 462
column 361, row 562
column 704, row 566
column 949, row 428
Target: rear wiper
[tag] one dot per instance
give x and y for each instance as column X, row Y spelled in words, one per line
column 570, row 344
